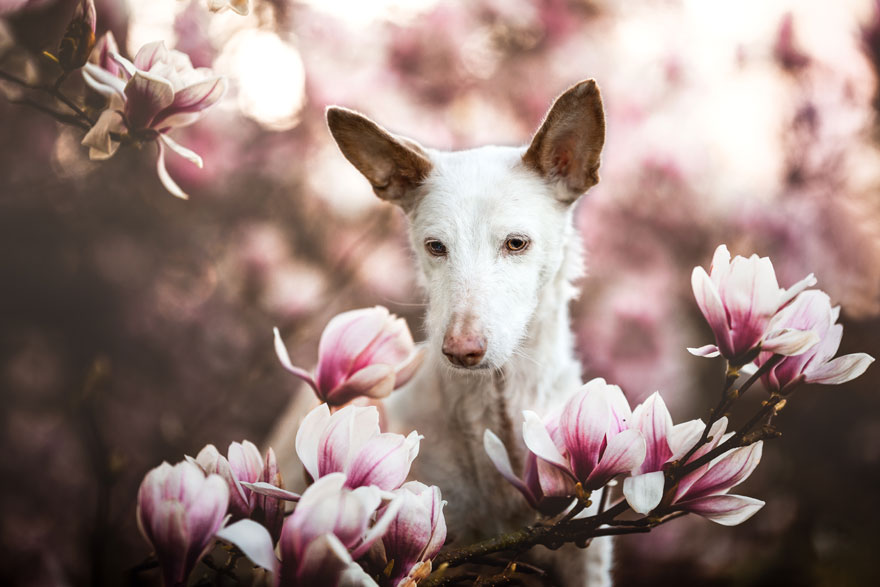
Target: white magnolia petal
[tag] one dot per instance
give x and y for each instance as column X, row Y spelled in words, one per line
column 841, row 369
column 380, row 527
column 709, row 301
column 166, row 180
column 270, row 490
column 790, row 342
column 709, row 350
column 497, row 453
column 253, row 540
column 644, row 492
column 99, row 140
column 684, row 436
column 793, row 291
column 308, row 437
column 727, row 510
column 538, row 440
column 182, row 151
column 102, row 81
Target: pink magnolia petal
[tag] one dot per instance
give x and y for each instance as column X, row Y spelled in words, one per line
column 841, row 369
column 99, row 140
column 552, row 481
column 343, row 340
column 644, row 492
column 621, row 413
column 102, row 81
column 409, row 367
column 793, row 291
column 727, row 510
column 269, row 490
column 538, row 440
column 709, row 351
column 376, row 381
column 384, row 461
column 146, row 95
column 150, row 54
column 379, row 528
column 254, row 542
column 344, row 435
column 166, row 180
column 284, row 358
column 653, row 420
column 684, row 436
column 727, row 471
column 624, row 453
column 127, row 67
column 190, row 103
column 308, row 437
column 323, row 562
column 584, row 424
column 789, row 341
column 709, row 302
column 498, row 455
column 187, row 154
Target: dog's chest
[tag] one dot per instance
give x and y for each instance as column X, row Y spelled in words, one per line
column 452, row 415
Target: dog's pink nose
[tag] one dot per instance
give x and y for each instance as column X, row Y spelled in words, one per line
column 464, row 350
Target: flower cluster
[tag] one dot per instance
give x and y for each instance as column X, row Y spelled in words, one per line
column 790, row 335
column 359, row 522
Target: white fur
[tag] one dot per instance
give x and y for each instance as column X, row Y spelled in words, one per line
column 473, row 201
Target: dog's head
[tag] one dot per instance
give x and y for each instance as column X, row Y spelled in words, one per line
column 489, row 225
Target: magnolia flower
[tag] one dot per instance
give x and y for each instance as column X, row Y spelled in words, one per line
column 590, row 443
column 79, row 38
column 330, row 528
column 367, row 352
column 415, row 535
column 543, row 485
column 163, row 92
column 349, row 441
column 665, row 443
column 239, row 6
column 703, row 491
column 812, row 311
column 244, row 468
column 178, row 511
column 738, row 298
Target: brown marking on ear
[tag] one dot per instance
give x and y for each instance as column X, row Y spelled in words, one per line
column 393, row 165
column 568, row 146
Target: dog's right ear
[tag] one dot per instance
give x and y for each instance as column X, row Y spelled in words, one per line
column 394, row 166
column 568, row 146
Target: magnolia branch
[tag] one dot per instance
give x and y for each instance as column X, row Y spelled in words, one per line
column 82, row 119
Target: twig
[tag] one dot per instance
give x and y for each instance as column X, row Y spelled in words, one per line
column 53, row 91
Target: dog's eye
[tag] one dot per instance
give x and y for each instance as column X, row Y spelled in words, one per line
column 516, row 244
column 436, row 248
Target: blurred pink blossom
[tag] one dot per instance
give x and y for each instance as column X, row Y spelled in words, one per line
column 178, row 511
column 738, row 298
column 368, row 352
column 812, row 311
column 350, row 442
column 163, row 92
column 101, row 54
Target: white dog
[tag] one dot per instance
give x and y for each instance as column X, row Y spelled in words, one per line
column 492, row 231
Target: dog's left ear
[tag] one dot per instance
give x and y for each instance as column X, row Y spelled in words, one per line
column 568, row 145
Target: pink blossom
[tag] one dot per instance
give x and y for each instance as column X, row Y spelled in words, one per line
column 179, row 510
column 738, row 298
column 349, row 441
column 703, row 491
column 590, row 443
column 416, row 533
column 368, row 352
column 101, row 54
column 812, row 311
column 331, row 527
column 163, row 92
column 242, row 469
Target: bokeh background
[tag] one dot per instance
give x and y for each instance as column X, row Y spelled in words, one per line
column 135, row 327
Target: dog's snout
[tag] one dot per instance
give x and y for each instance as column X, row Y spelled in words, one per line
column 464, row 350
